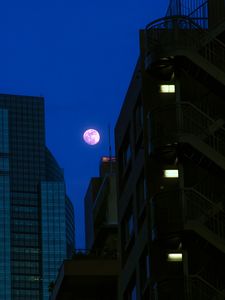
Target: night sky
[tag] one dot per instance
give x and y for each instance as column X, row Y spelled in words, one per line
column 80, row 56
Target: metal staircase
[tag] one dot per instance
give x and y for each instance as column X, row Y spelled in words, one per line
column 204, row 217
column 190, row 125
column 198, row 288
column 194, row 288
column 194, row 212
column 181, row 36
column 195, row 9
column 184, row 35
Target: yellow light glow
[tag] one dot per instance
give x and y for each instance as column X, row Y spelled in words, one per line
column 167, row 88
column 171, row 173
column 175, row 257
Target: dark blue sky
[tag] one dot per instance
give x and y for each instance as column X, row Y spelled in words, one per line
column 80, row 56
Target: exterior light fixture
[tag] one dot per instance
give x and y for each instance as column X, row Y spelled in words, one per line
column 174, row 257
column 172, row 173
column 167, row 88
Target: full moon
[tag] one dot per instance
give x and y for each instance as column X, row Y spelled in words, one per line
column 91, row 137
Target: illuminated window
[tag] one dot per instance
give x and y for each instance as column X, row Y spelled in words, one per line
column 175, row 257
column 172, row 173
column 167, row 88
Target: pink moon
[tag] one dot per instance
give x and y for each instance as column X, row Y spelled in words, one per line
column 91, row 137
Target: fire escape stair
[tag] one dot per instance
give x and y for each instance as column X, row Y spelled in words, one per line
column 204, row 217
column 214, row 33
column 181, row 37
column 192, row 126
column 198, row 288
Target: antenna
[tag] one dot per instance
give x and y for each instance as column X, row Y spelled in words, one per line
column 110, row 147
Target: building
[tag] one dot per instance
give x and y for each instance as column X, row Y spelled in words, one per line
column 37, row 222
column 92, row 273
column 170, row 141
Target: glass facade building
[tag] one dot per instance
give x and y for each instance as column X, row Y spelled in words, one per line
column 37, row 223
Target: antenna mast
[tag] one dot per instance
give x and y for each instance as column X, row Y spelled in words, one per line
column 110, row 147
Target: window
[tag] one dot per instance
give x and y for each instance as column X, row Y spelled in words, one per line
column 174, row 257
column 126, row 155
column 133, row 295
column 129, row 228
column 138, row 119
column 141, row 192
column 167, row 88
column 144, row 269
column 131, row 292
column 172, row 173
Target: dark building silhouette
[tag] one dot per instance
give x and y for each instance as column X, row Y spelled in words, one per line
column 170, row 144
column 37, row 218
column 92, row 273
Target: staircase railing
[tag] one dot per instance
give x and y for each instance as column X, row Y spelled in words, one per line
column 184, row 118
column 212, row 188
column 198, row 288
column 192, row 287
column 203, row 211
column 195, row 9
column 192, row 209
column 180, row 32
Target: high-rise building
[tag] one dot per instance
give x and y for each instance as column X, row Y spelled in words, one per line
column 37, row 218
column 170, row 144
